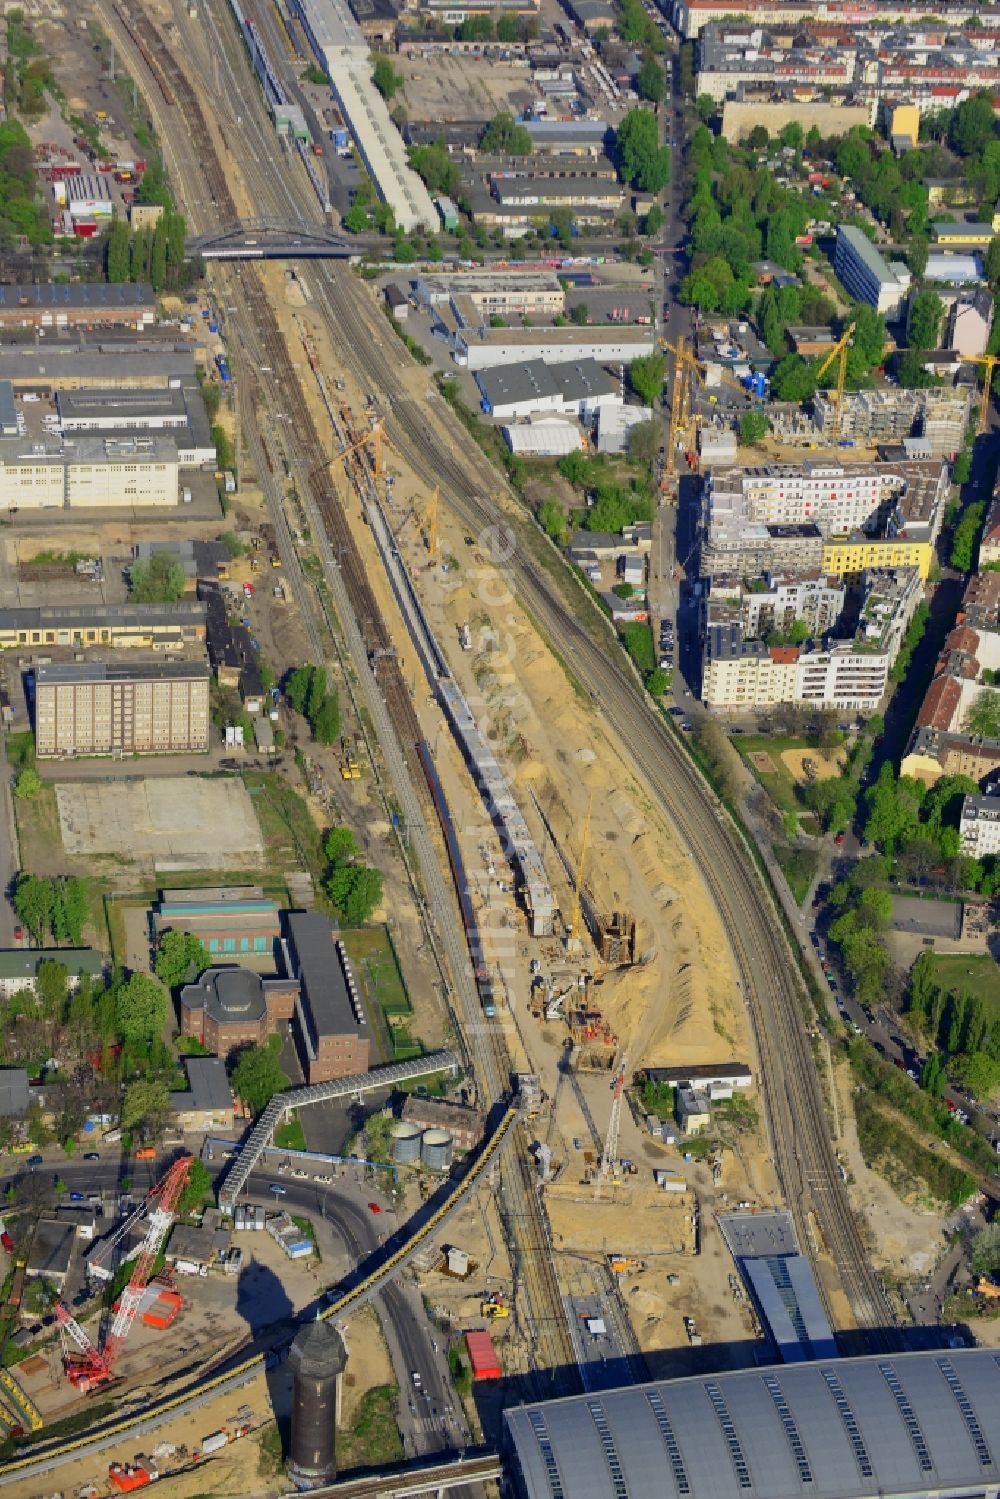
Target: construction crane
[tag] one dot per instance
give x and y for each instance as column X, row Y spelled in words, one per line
column 372, row 439
column 573, row 935
column 684, row 364
column 88, row 1366
column 610, row 1153
column 429, row 522
column 839, row 351
column 989, row 363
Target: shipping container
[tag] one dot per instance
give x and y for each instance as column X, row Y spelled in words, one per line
column 482, row 1355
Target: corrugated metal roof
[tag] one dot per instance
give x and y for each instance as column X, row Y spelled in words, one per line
column 912, row 1424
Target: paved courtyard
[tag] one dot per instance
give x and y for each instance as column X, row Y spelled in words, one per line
column 176, row 823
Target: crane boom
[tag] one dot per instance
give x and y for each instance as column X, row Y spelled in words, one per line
column 610, row 1152
column 93, row 1366
column 839, row 350
column 160, row 1219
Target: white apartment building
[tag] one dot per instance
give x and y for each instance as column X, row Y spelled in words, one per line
column 849, row 675
column 775, row 603
column 835, row 498
column 866, row 273
column 979, row 826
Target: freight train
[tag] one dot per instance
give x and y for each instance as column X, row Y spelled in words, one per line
column 484, row 981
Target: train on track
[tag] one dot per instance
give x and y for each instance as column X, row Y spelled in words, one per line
column 484, row 979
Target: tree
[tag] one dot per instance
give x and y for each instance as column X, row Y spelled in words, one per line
column 116, row 255
column 644, row 440
column 33, row 904
column 961, row 471
column 158, row 257
column 793, row 379
column 657, row 682
column 257, row 1076
column 983, row 717
column 69, row 910
column 357, row 892
column 340, row 846
column 653, row 222
column 976, row 1072
column 580, row 314
column 645, row 376
column 180, row 958
column 355, row 220
column 553, row 521
column 641, row 159
column 28, row 784
column 51, row 987
column 754, row 425
column 145, row 1106
column 140, row 1009
column 972, row 124
column 986, row 1250
column 926, row 312
column 197, row 1187
column 385, row 78
column 158, row 581
column 993, row 261
column 652, row 81
column 503, row 136
column 792, row 135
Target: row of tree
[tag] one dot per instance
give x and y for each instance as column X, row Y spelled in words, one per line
column 52, row 909
column 355, row 888
column 309, row 693
column 962, row 1026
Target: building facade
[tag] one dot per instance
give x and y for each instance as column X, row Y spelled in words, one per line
column 120, row 626
column 332, row 1028
column 979, row 826
column 48, row 305
column 134, row 708
column 866, row 274
column 849, row 557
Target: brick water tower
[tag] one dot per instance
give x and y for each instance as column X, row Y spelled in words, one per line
column 317, row 1360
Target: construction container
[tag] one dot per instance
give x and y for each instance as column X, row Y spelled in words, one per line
column 482, row 1355
column 164, row 1309
column 406, row 1140
column 458, row 1261
column 213, row 1443
column 436, row 1149
column 126, row 1477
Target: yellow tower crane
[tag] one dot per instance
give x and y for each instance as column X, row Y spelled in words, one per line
column 372, row 439
column 574, row 925
column 839, row 351
column 686, row 367
column 989, row 363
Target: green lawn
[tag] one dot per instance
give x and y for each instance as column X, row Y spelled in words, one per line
column 375, row 965
column 290, row 1135
column 373, row 1440
column 976, row 974
column 798, row 865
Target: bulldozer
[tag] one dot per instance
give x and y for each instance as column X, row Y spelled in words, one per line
column 493, row 1307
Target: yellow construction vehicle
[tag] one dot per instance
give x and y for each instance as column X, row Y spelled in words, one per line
column 494, row 1307
column 623, row 1264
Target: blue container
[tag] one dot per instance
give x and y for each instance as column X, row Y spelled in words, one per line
column 213, row 327
column 340, row 138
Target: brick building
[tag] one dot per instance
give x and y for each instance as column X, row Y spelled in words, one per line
column 333, row 1033
column 230, row 920
column 231, row 1007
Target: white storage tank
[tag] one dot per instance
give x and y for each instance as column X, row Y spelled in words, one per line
column 437, row 1148
column 406, row 1140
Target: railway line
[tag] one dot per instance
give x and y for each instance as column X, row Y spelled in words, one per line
column 799, row 1131
column 197, row 157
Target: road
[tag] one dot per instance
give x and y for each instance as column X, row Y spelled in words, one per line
column 439, row 451
column 430, row 1423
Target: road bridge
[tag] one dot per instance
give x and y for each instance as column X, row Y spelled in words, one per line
column 267, row 240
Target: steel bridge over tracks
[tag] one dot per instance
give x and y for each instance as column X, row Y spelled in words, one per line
column 268, row 240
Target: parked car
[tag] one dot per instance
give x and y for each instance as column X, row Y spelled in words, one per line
column 373, row 1207
column 91, row 1155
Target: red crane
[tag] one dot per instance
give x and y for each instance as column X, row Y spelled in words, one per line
column 90, row 1366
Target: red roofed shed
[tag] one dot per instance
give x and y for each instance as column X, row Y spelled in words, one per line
column 485, row 1364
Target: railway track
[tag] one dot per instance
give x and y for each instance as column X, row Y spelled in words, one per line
column 799, row 1131
column 196, row 153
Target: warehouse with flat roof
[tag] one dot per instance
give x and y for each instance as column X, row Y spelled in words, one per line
column 342, row 50
column 481, row 348
column 914, row 1424
column 48, row 304
column 121, row 626
column 333, row 1030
